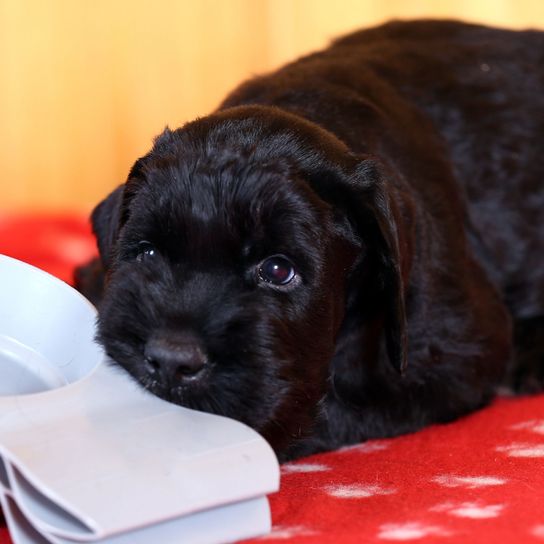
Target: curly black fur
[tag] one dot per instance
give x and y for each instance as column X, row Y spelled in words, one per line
column 400, row 171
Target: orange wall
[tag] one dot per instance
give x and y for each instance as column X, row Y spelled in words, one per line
column 84, row 86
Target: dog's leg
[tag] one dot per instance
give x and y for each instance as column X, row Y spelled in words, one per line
column 526, row 373
column 388, row 405
column 376, row 402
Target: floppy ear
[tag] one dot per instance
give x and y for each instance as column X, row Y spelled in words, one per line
column 89, row 278
column 379, row 214
column 105, row 220
column 378, row 211
column 107, row 217
column 382, row 233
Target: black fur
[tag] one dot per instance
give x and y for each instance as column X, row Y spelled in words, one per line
column 401, row 172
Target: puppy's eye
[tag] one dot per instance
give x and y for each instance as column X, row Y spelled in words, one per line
column 145, row 250
column 278, row 270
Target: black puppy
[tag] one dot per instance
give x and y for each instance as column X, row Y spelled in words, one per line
column 341, row 251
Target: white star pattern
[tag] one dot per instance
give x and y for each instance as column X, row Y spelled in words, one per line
column 470, row 510
column 280, row 532
column 303, row 467
column 522, row 450
column 470, row 482
column 357, row 491
column 366, row 447
column 534, row 425
column 410, row 531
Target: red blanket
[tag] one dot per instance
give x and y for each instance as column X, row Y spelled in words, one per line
column 480, row 479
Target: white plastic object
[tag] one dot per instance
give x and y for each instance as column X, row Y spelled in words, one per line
column 46, row 331
column 86, row 455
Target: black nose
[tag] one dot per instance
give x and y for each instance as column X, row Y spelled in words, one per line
column 175, row 357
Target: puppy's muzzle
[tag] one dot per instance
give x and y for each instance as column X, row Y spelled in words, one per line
column 175, row 358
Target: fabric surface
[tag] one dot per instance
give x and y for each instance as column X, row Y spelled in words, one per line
column 479, row 479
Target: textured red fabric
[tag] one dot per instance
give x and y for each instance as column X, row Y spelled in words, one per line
column 54, row 243
column 479, row 479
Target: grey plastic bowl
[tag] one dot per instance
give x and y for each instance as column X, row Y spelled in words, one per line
column 46, row 331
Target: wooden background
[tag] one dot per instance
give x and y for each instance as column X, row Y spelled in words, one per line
column 85, row 85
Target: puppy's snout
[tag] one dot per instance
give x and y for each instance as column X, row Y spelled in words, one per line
column 174, row 358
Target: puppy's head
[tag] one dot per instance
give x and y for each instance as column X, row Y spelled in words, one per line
column 233, row 254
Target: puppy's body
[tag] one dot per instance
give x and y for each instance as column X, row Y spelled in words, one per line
column 399, row 171
column 467, row 100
